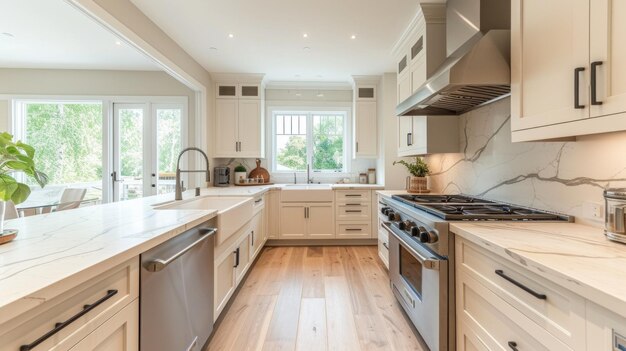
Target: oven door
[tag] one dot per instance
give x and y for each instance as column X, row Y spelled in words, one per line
column 419, row 280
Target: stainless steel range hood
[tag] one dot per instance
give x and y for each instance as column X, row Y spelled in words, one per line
column 476, row 71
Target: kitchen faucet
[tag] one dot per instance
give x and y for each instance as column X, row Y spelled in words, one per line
column 179, row 187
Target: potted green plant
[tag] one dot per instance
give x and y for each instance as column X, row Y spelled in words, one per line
column 417, row 182
column 240, row 174
column 15, row 157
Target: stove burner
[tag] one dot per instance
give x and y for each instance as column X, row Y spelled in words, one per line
column 424, row 198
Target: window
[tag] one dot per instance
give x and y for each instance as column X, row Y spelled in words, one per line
column 117, row 151
column 309, row 138
column 68, row 140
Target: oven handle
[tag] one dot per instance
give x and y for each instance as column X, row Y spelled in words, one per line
column 427, row 263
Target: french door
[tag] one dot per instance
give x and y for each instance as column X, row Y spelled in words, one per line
column 146, row 141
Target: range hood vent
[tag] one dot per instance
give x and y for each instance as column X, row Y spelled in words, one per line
column 477, row 70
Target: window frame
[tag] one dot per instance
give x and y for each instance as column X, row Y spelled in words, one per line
column 17, row 127
column 309, row 112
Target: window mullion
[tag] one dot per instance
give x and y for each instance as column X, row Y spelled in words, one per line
column 309, row 137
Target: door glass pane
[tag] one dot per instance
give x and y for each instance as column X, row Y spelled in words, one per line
column 169, row 145
column 411, row 270
column 291, row 149
column 67, row 138
column 131, row 152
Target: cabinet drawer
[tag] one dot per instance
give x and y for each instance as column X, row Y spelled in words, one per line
column 120, row 332
column 383, row 251
column 561, row 312
column 352, row 196
column 350, row 230
column 109, row 293
column 496, row 323
column 353, row 212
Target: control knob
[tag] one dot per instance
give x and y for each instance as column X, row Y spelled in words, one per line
column 427, row 236
column 392, row 216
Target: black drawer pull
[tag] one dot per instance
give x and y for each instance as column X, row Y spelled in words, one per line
column 520, row 285
column 236, row 252
column 577, row 72
column 59, row 326
column 353, row 229
column 353, row 211
column 386, row 245
column 353, row 204
column 594, row 85
column 513, row 345
column 353, row 195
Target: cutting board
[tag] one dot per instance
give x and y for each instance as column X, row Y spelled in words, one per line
column 260, row 171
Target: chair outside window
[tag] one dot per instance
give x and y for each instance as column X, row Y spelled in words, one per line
column 10, row 212
column 71, row 199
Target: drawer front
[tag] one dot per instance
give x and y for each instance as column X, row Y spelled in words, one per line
column 383, row 251
column 355, row 212
column 354, row 230
column 561, row 312
column 119, row 333
column 30, row 326
column 497, row 324
column 353, row 196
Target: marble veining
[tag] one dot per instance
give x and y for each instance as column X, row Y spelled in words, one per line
column 554, row 176
column 575, row 256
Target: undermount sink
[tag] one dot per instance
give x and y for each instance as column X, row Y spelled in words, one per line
column 232, row 212
column 307, row 193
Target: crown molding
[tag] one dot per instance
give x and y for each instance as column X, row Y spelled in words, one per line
column 310, row 85
column 427, row 13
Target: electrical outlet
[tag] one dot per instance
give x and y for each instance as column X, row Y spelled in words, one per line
column 593, row 210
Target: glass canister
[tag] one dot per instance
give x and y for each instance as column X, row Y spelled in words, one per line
column 363, row 178
column 371, row 176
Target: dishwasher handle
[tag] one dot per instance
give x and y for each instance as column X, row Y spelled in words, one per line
column 159, row 264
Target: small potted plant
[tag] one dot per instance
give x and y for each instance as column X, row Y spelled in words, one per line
column 240, row 174
column 417, row 182
column 15, row 157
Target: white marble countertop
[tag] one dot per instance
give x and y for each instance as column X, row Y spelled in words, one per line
column 575, row 256
column 55, row 252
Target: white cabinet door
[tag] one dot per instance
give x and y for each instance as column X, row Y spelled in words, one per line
column 293, row 221
column 226, row 137
column 608, row 52
column 120, row 332
column 256, row 234
column 365, row 140
column 224, row 280
column 250, row 129
column 272, row 207
column 321, row 221
column 404, row 86
column 549, row 40
column 405, row 128
column 605, row 329
column 242, row 259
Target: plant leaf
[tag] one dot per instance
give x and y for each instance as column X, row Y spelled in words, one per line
column 17, row 165
column 41, row 178
column 7, row 189
column 20, row 194
column 30, row 151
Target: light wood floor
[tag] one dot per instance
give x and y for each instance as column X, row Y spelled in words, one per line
column 316, row 298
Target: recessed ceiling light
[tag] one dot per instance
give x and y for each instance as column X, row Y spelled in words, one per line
column 306, row 48
column 231, row 35
column 7, row 34
column 305, row 35
column 213, row 48
column 118, row 43
column 353, row 36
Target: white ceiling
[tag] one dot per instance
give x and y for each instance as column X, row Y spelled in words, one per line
column 268, row 35
column 53, row 34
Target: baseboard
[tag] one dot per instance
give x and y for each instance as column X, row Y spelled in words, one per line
column 321, row 242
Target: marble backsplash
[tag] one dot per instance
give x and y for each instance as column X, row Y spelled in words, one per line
column 554, row 176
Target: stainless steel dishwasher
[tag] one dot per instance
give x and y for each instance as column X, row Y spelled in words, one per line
column 177, row 292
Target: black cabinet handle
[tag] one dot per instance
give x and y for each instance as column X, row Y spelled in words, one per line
column 252, row 234
column 59, row 326
column 594, row 85
column 520, row 285
column 386, row 245
column 236, row 252
column 577, row 72
column 353, row 211
column 353, row 229
column 513, row 345
column 353, row 195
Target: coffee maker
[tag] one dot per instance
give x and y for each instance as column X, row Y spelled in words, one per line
column 221, row 176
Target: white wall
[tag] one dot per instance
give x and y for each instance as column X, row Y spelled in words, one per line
column 556, row 176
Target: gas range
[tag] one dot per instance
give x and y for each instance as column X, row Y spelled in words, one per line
column 467, row 208
column 421, row 253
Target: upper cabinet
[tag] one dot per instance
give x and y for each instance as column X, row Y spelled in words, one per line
column 568, row 69
column 422, row 135
column 239, row 127
column 415, row 63
column 365, row 135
